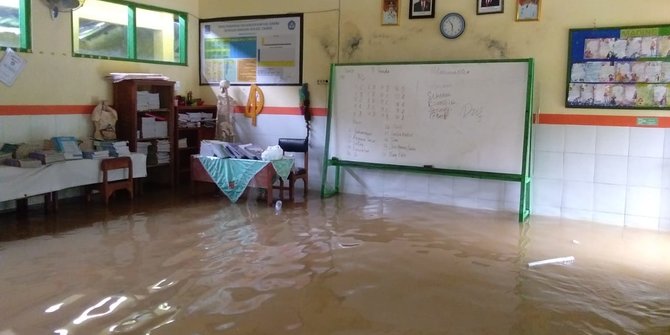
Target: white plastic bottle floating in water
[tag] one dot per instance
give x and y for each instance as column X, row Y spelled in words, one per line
column 278, row 206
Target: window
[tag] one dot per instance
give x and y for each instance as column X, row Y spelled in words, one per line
column 15, row 24
column 123, row 30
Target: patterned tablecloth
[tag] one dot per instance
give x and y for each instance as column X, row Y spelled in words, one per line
column 232, row 175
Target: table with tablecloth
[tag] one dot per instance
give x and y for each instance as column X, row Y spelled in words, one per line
column 233, row 176
column 20, row 183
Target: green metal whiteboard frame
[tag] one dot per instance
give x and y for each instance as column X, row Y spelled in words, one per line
column 524, row 178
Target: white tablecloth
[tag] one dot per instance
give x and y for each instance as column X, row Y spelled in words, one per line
column 16, row 183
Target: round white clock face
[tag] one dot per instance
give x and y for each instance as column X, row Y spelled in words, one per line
column 452, row 25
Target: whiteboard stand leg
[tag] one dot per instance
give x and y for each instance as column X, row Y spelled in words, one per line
column 524, row 200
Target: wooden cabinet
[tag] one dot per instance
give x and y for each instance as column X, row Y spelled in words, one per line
column 194, row 124
column 147, row 121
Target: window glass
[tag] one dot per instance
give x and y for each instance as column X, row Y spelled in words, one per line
column 157, row 35
column 107, row 29
column 102, row 29
column 14, row 24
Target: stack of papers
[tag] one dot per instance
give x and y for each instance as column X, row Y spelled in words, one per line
column 119, row 76
column 148, row 101
column 163, row 151
column 153, row 128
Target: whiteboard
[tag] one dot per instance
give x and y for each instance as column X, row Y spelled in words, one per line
column 464, row 116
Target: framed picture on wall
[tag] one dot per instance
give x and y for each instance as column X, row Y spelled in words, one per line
column 390, row 12
column 528, row 10
column 421, row 9
column 489, row 6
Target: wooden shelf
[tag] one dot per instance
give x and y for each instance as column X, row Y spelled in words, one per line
column 130, row 120
column 193, row 136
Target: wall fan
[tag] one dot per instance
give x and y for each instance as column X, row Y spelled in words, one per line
column 57, row 6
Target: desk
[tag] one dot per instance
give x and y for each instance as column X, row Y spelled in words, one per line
column 19, row 183
column 233, row 176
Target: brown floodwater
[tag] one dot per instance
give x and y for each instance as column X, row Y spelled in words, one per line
column 175, row 264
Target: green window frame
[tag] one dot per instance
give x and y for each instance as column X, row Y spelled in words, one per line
column 20, row 41
column 119, row 33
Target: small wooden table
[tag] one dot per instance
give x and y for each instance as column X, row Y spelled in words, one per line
column 263, row 178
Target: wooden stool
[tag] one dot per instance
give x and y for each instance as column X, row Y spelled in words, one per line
column 107, row 187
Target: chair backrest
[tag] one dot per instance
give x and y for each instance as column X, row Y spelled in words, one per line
column 124, row 162
column 295, row 145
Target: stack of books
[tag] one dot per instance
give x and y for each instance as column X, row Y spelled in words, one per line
column 69, row 146
column 5, row 155
column 8, row 150
column 47, row 156
column 115, row 148
column 98, row 154
column 23, row 162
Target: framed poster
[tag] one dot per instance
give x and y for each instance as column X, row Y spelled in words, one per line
column 421, row 9
column 262, row 50
column 389, row 12
column 490, row 6
column 619, row 67
column 528, row 10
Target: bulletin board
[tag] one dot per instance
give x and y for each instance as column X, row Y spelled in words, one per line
column 619, row 68
column 262, row 50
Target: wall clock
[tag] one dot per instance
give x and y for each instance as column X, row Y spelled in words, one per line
column 452, row 25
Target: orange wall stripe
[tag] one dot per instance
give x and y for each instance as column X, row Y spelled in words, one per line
column 87, row 109
column 45, row 109
column 286, row 110
column 600, row 120
column 564, row 119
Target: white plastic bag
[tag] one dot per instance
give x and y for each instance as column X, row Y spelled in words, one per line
column 272, row 153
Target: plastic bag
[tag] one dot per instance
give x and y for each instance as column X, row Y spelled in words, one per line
column 104, row 120
column 272, row 153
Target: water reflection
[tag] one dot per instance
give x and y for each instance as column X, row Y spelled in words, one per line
column 347, row 265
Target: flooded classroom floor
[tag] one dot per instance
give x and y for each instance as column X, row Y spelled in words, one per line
column 344, row 265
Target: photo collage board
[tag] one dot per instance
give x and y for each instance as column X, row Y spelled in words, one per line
column 627, row 68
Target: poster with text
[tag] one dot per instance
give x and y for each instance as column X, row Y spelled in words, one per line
column 263, row 50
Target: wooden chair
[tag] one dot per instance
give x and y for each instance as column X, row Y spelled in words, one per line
column 296, row 145
column 107, row 187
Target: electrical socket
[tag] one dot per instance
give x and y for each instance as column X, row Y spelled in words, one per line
column 322, row 81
